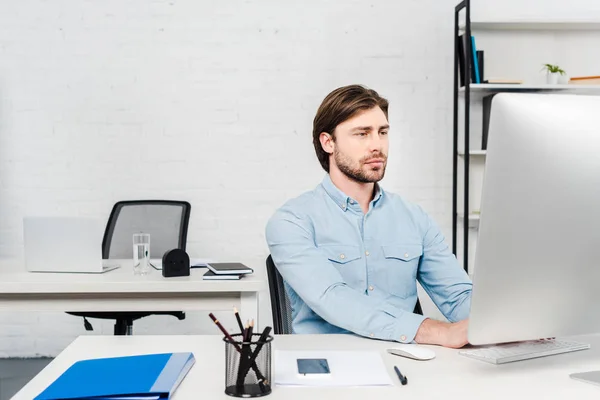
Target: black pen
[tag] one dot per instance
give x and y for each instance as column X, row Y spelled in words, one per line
column 402, row 378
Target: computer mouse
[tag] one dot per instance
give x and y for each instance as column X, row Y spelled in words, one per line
column 412, row 351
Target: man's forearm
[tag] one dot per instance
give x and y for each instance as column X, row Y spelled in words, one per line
column 431, row 332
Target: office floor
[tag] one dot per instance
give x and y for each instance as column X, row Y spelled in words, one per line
column 16, row 372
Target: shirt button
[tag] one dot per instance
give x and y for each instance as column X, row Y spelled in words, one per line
column 371, row 288
column 367, row 253
column 405, row 255
column 371, row 335
column 342, row 256
column 403, row 338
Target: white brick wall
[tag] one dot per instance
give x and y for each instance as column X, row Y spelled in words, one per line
column 209, row 102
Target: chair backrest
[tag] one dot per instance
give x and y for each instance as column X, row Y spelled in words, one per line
column 280, row 303
column 418, row 309
column 166, row 221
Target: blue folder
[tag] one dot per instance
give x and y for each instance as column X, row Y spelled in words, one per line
column 140, row 377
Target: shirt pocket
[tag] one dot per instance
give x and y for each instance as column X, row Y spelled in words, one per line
column 347, row 259
column 401, row 263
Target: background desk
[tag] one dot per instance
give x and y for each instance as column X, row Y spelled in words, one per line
column 448, row 376
column 120, row 290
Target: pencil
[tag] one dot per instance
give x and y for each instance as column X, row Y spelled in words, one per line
column 239, row 320
column 261, row 341
column 245, row 332
column 250, row 329
column 227, row 335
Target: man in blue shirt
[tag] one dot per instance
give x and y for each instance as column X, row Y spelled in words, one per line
column 351, row 253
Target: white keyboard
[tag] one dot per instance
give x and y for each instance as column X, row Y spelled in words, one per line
column 509, row 352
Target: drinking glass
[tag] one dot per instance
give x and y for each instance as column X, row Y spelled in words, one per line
column 141, row 253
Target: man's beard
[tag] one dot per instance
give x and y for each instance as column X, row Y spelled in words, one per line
column 357, row 173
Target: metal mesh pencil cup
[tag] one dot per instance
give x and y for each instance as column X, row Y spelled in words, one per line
column 248, row 366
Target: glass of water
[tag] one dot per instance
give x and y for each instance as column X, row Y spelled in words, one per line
column 141, row 253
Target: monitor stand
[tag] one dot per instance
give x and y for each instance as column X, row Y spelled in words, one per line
column 592, row 377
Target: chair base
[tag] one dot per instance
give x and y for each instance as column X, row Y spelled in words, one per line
column 123, row 320
column 124, row 327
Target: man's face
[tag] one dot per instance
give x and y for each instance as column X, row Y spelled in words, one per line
column 361, row 146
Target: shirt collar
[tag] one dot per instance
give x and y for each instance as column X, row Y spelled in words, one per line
column 341, row 199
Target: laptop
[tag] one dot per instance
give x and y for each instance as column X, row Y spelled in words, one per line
column 65, row 244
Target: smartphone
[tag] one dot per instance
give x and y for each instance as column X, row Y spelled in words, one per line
column 313, row 367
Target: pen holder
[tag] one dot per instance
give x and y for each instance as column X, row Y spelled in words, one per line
column 248, row 366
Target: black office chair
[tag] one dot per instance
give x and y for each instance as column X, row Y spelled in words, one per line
column 280, row 303
column 167, row 223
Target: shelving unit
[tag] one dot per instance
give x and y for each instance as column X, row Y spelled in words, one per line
column 470, row 158
column 581, row 25
column 479, row 90
column 489, row 88
column 473, row 153
column 473, row 220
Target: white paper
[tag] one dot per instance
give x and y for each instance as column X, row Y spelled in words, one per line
column 347, row 368
column 199, row 262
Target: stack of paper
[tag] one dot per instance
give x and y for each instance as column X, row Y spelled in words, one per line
column 347, row 368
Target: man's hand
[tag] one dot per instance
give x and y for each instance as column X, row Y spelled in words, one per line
column 456, row 335
column 453, row 335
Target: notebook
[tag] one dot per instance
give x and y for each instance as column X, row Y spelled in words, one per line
column 139, row 377
column 229, row 268
column 209, row 275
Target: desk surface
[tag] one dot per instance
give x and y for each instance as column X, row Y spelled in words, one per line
column 14, row 279
column 448, row 376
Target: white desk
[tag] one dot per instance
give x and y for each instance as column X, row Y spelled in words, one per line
column 120, row 290
column 448, row 376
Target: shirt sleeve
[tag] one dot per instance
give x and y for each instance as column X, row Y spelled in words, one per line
column 309, row 272
column 447, row 284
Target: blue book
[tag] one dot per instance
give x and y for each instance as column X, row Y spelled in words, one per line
column 475, row 61
column 140, row 377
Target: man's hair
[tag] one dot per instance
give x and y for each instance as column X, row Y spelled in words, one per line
column 340, row 105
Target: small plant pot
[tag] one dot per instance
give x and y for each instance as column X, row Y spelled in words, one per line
column 552, row 78
column 563, row 79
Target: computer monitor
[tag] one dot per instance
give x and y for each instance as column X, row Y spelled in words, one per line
column 537, row 263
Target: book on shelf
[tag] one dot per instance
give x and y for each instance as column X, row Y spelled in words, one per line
column 475, row 58
column 475, row 61
column 480, row 54
column 585, row 80
column 499, row 81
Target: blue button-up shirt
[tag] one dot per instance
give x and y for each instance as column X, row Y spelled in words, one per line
column 347, row 271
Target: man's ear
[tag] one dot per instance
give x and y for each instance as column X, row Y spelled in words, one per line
column 327, row 142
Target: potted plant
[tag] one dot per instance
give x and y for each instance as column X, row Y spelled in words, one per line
column 553, row 72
